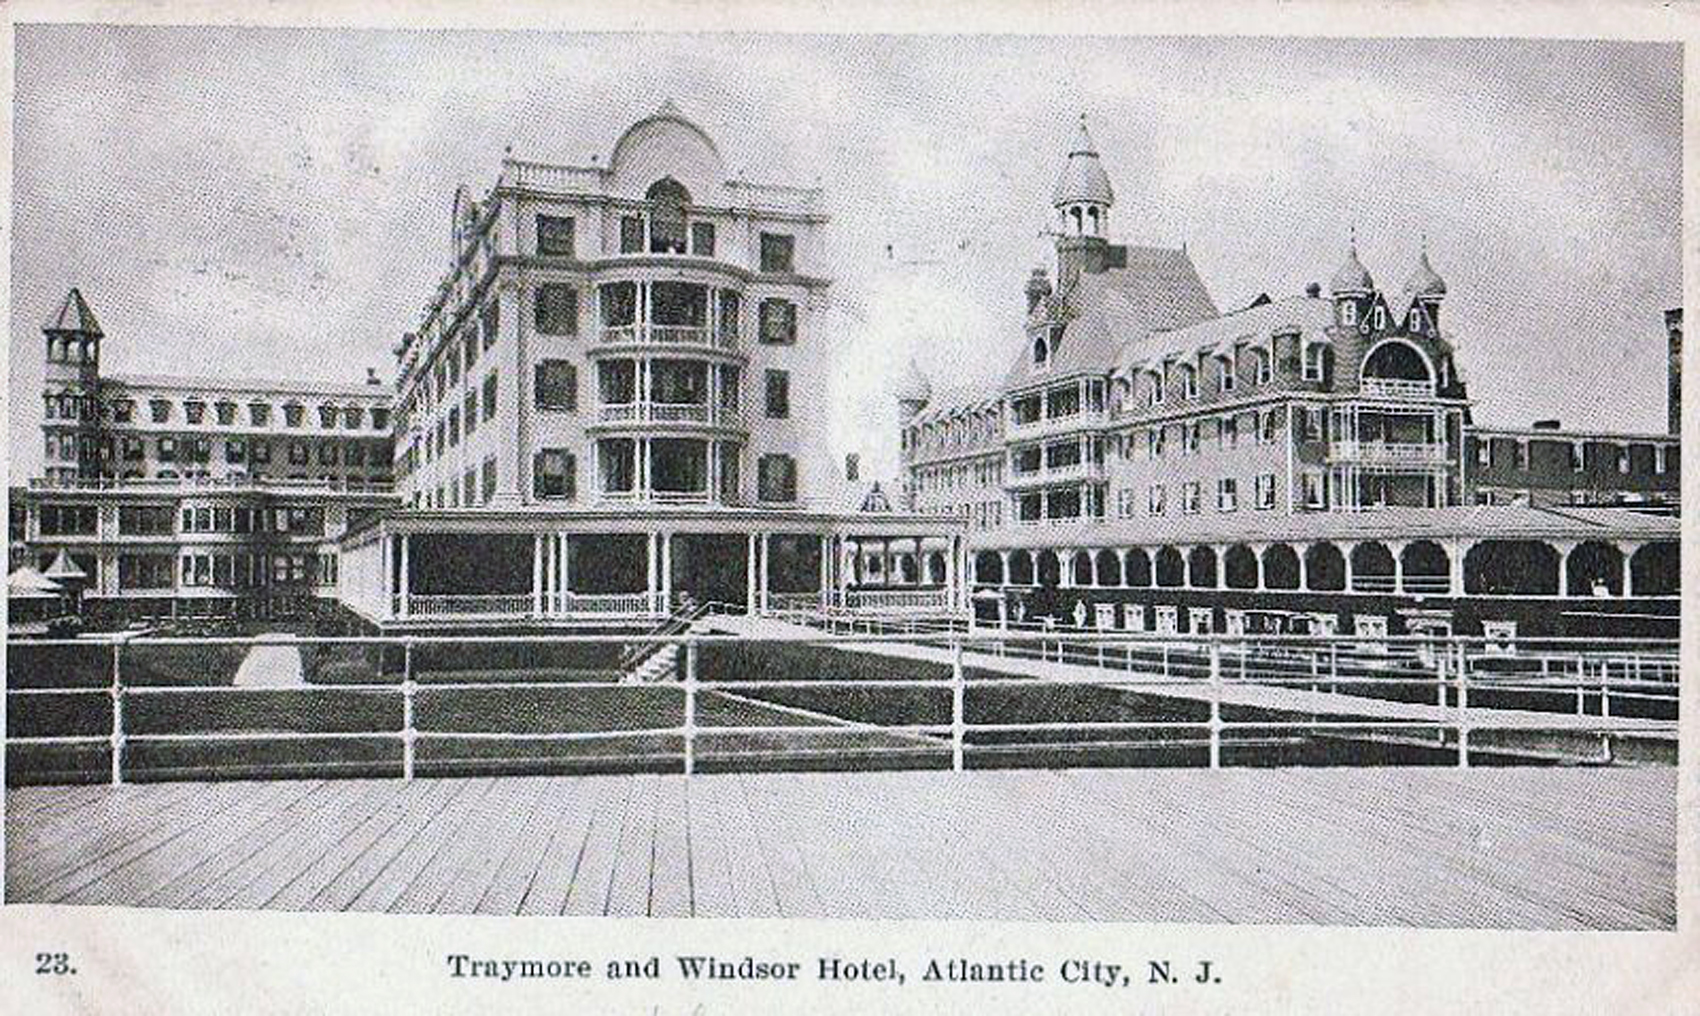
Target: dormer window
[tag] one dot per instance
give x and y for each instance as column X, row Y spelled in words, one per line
column 1189, row 381
column 1041, row 353
column 1316, row 357
column 1225, row 365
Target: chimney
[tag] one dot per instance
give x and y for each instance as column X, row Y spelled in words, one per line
column 1313, row 289
column 1038, row 287
column 372, row 376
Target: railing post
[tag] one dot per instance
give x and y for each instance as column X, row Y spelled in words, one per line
column 117, row 693
column 690, row 706
column 957, row 719
column 407, row 710
column 1215, row 704
column 1463, row 709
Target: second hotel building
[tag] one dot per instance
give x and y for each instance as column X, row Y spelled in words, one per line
column 618, row 398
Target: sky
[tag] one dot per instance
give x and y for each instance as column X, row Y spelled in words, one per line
column 254, row 202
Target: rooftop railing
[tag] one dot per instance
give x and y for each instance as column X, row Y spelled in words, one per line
column 853, row 691
column 1395, row 388
column 177, row 483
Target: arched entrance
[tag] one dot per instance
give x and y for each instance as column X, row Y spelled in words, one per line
column 1372, row 568
column 1137, row 574
column 1511, row 567
column 988, row 568
column 1655, row 570
column 1239, row 567
column 1201, row 568
column 1050, row 569
column 1280, row 567
column 1594, row 568
column 1325, row 568
column 1427, row 568
column 1171, row 568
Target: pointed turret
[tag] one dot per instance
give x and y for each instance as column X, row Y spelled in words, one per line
column 1422, row 295
column 74, row 317
column 913, row 391
column 1083, row 180
column 1353, row 279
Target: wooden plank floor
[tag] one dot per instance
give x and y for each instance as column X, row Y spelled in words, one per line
column 1502, row 848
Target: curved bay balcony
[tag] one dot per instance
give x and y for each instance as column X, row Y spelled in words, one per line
column 663, row 414
column 614, row 338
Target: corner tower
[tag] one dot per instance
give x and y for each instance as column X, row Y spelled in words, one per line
column 1082, row 199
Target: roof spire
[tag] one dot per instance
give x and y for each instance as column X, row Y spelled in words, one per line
column 1083, row 178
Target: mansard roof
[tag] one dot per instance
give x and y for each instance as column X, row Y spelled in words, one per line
column 1158, row 290
column 1307, row 315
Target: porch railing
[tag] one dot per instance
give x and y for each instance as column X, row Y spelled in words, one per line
column 1041, row 697
column 1395, row 388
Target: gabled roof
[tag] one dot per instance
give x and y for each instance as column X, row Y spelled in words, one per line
column 1307, row 315
column 74, row 316
column 1159, row 290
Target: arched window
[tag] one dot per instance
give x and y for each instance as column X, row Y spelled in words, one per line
column 1397, row 361
column 1318, row 362
column 1041, row 352
column 1074, row 213
column 668, row 198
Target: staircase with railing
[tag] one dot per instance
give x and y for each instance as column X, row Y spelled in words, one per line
column 654, row 657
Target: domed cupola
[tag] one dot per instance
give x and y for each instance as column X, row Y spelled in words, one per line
column 1424, row 281
column 1353, row 290
column 1422, row 295
column 1353, row 279
column 1083, row 196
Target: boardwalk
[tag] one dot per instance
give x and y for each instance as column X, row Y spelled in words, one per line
column 1506, row 848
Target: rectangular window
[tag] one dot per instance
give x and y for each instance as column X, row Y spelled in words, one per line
column 167, row 449
column 1484, row 452
column 1265, row 491
column 160, row 410
column 1125, row 502
column 68, row 520
column 470, row 411
column 226, row 413
column 123, row 411
column 490, row 396
column 1520, row 455
column 488, row 475
column 293, row 415
column 555, row 385
column 776, row 478
column 260, row 452
column 194, row 411
column 1192, row 431
column 557, row 309
column 1576, row 457
column 1661, row 459
column 776, row 252
column 490, row 323
column 552, row 474
column 1227, row 495
column 555, row 235
column 702, row 239
column 1155, row 500
column 327, row 454
column 1623, row 459
column 778, row 322
column 1190, row 498
column 1271, row 421
column 234, row 451
column 631, row 234
column 1225, row 365
column 778, row 395
column 1313, row 491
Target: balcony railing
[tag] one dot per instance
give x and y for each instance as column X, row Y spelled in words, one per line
column 670, row 335
column 1394, row 388
column 671, row 412
column 1083, row 470
column 1048, row 424
column 1389, row 453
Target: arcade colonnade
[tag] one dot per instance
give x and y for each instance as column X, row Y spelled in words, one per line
column 1422, row 567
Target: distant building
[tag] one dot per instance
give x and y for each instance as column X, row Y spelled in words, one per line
column 186, row 495
column 1144, row 439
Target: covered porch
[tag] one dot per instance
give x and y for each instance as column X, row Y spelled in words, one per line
column 561, row 567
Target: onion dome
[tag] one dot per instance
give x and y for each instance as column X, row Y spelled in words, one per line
column 1352, row 278
column 1424, row 280
column 1083, row 178
column 914, row 387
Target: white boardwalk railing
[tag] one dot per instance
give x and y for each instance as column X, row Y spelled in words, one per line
column 941, row 693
